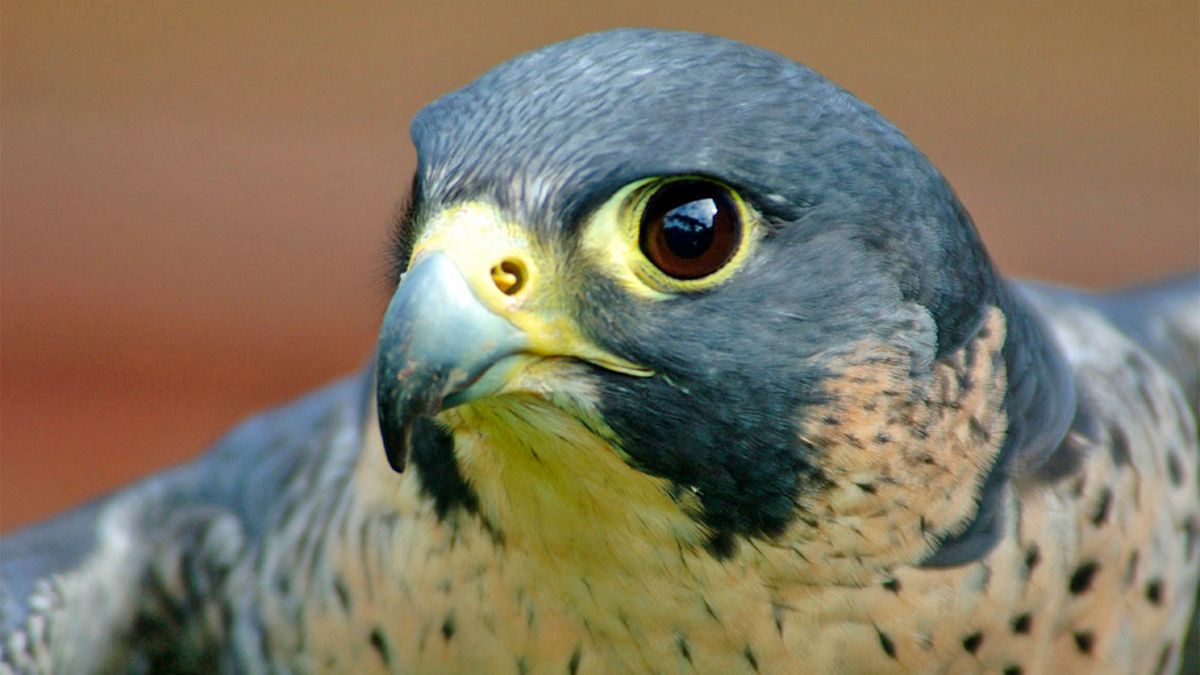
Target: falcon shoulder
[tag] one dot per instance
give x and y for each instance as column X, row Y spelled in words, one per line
column 1162, row 321
column 157, row 577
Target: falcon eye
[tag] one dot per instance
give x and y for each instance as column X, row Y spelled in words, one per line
column 690, row 228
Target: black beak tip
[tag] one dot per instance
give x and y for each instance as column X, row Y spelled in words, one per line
column 395, row 445
column 399, row 409
column 393, row 428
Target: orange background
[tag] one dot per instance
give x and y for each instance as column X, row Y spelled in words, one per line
column 196, row 196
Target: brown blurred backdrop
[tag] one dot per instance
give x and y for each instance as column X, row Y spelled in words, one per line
column 196, row 195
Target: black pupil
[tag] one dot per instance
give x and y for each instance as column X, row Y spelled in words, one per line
column 688, row 230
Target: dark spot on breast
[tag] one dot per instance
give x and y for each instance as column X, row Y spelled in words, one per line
column 1081, row 579
column 448, row 627
column 1084, row 641
column 1164, row 658
column 1079, row 486
column 777, row 614
column 963, row 379
column 684, row 648
column 1032, row 557
column 1064, row 461
column 748, row 654
column 979, row 433
column 882, row 438
column 1118, row 445
column 576, row 657
column 1174, row 472
column 892, row 584
column 1100, row 513
column 971, row 642
column 379, row 643
column 1148, row 399
column 886, row 643
column 1022, row 623
column 868, row 488
column 343, row 594
column 493, row 532
column 1013, row 670
column 1154, row 592
column 830, row 420
column 522, row 666
column 1131, row 569
column 1190, row 531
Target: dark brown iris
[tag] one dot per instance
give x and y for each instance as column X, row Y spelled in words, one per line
column 690, row 228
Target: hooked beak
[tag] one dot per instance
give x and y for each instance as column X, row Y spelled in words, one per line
column 463, row 320
column 438, row 347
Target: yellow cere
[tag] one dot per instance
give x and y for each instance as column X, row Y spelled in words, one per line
column 516, row 278
column 478, row 239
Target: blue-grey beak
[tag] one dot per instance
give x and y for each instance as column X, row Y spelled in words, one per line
column 436, row 348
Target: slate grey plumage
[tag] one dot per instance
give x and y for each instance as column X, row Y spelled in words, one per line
column 852, row 446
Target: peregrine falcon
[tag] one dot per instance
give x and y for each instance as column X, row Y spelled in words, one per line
column 694, row 364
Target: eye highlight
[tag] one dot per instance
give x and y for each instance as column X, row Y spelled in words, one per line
column 690, row 228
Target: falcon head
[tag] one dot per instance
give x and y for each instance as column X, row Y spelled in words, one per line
column 666, row 286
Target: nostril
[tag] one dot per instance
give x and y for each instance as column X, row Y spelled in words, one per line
column 509, row 276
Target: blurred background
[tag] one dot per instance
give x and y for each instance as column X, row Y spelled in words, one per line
column 196, row 196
